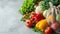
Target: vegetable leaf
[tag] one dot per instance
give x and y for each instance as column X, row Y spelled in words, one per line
column 44, row 5
column 27, row 6
column 35, row 29
column 41, row 32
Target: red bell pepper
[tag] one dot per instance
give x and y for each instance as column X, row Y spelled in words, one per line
column 38, row 17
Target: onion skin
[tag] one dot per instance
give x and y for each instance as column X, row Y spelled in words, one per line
column 55, row 26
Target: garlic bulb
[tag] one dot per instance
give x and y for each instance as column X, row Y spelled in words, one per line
column 38, row 10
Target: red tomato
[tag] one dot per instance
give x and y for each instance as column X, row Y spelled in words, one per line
column 29, row 25
column 48, row 30
column 28, row 21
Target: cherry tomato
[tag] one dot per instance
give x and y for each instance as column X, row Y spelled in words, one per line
column 48, row 30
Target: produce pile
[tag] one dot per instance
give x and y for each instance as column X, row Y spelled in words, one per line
column 42, row 15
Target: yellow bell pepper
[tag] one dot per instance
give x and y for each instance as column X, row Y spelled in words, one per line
column 42, row 25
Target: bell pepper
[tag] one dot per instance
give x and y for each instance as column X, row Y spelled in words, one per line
column 42, row 24
column 38, row 17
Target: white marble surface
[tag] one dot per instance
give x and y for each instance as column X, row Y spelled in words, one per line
column 10, row 18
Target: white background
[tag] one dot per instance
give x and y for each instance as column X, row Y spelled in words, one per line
column 10, row 18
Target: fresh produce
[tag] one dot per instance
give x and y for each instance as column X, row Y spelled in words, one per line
column 34, row 19
column 48, row 30
column 35, row 6
column 29, row 23
column 38, row 17
column 27, row 6
column 55, row 2
column 36, row 29
column 55, row 26
column 41, row 32
column 42, row 15
column 44, row 5
column 58, row 17
column 45, row 13
column 25, row 16
column 38, row 10
column 42, row 25
column 32, row 14
column 51, row 18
